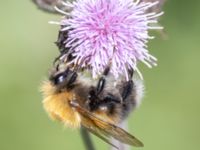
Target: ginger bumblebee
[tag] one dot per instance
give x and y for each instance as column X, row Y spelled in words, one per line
column 77, row 100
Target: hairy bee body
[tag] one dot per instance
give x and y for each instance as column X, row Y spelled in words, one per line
column 98, row 105
column 57, row 105
column 56, row 101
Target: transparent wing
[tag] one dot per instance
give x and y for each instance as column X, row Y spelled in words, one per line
column 105, row 129
column 99, row 135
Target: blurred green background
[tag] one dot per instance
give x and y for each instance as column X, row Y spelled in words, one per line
column 168, row 119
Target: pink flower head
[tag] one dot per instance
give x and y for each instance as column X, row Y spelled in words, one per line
column 110, row 32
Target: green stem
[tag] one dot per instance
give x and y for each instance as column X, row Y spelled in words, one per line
column 87, row 139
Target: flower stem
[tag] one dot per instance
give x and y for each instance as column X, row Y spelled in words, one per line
column 87, row 139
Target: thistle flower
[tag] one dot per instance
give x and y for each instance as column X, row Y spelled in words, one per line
column 110, row 32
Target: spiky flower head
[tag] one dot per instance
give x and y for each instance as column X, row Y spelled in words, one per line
column 110, row 32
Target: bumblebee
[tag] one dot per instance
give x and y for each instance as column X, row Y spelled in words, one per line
column 75, row 99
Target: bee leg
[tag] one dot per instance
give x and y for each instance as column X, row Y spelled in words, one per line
column 72, row 79
column 110, row 99
column 100, row 85
column 127, row 90
column 109, row 102
column 93, row 96
column 94, row 92
column 106, row 71
column 93, row 99
column 102, row 81
column 131, row 72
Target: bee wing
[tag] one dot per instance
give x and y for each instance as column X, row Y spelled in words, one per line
column 104, row 129
column 98, row 134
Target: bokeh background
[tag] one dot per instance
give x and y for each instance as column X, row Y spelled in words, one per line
column 169, row 117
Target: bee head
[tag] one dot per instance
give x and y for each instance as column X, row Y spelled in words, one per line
column 63, row 79
column 58, row 78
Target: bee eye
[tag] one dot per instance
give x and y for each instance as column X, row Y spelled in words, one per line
column 60, row 79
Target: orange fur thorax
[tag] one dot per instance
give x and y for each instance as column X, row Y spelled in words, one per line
column 57, row 106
